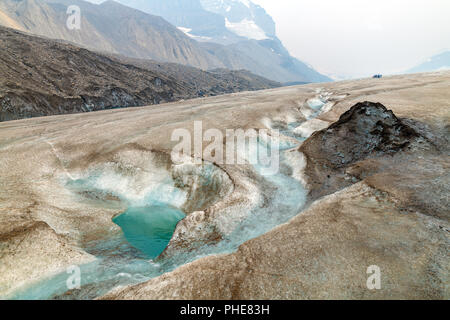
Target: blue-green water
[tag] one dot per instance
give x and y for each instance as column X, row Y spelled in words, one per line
column 121, row 260
column 149, row 229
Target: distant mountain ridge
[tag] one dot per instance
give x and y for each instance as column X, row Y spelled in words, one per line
column 114, row 28
column 241, row 34
column 219, row 21
column 41, row 77
column 435, row 63
column 243, row 17
column 190, row 17
column 109, row 27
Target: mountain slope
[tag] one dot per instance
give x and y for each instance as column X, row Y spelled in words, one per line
column 45, row 77
column 114, row 28
column 109, row 27
column 239, row 33
column 205, row 83
column 435, row 63
column 190, row 16
column 267, row 58
column 216, row 21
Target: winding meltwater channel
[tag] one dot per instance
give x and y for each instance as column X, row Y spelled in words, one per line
column 153, row 212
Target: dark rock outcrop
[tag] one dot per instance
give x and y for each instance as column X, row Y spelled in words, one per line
column 367, row 131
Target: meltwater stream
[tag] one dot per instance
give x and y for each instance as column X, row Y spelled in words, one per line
column 129, row 258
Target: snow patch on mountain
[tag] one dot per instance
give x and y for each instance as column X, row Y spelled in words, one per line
column 243, row 18
column 187, row 31
column 246, row 28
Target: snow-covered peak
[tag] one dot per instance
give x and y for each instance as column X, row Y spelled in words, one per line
column 243, row 17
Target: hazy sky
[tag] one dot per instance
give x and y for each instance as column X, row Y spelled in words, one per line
column 361, row 37
column 353, row 38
